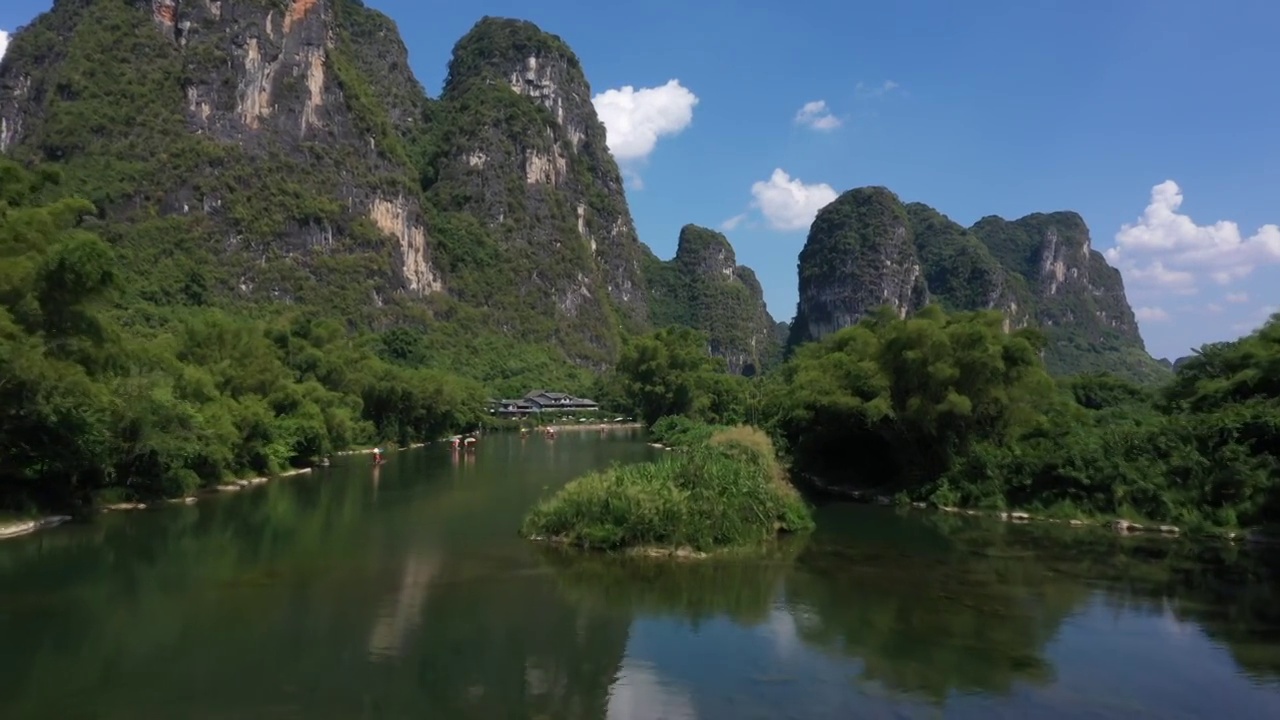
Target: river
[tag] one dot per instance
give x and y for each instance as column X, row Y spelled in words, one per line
column 404, row 592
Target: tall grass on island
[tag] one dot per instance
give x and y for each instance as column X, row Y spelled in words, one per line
column 678, row 431
column 726, row 492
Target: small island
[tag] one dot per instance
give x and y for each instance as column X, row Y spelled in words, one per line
column 728, row 492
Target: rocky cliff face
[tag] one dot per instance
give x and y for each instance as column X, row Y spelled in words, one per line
column 1073, row 283
column 1078, row 297
column 520, row 149
column 281, row 152
column 868, row 249
column 704, row 287
column 960, row 271
column 268, row 135
column 860, row 255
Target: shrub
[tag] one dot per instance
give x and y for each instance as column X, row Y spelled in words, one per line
column 728, row 491
column 679, row 431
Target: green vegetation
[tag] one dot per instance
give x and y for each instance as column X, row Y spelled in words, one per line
column 679, row 431
column 181, row 306
column 892, row 401
column 112, row 118
column 704, row 288
column 220, row 304
column 952, row 409
column 1089, row 326
column 507, row 368
column 89, row 409
column 868, row 246
column 959, row 270
column 727, row 492
column 529, row 212
column 266, row 221
column 668, row 372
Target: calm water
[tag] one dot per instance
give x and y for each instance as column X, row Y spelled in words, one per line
column 404, row 592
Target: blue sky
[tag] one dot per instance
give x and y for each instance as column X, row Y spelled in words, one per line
column 1158, row 114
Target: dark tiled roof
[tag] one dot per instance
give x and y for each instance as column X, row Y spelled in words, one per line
column 540, row 398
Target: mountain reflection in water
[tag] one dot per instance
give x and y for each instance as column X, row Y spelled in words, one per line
column 406, row 592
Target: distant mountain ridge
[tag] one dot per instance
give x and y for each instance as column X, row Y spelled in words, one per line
column 868, row 248
column 291, row 147
column 265, row 154
column 704, row 287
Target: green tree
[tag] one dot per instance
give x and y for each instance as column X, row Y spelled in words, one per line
column 670, row 372
column 895, row 402
column 188, row 396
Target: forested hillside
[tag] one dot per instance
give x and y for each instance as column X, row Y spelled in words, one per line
column 704, row 288
column 240, row 235
column 868, row 247
column 92, row 408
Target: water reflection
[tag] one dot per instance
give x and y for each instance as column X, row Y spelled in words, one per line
column 640, row 693
column 931, row 624
column 307, row 598
column 403, row 613
column 405, row 592
column 502, row 644
column 692, row 591
column 914, row 615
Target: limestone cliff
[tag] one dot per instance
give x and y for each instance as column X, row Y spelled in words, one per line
column 860, row 254
column 960, row 271
column 519, row 148
column 281, row 152
column 1078, row 297
column 236, row 148
column 868, row 249
column 704, row 287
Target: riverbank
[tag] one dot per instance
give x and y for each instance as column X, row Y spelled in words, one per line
column 1121, row 526
column 26, row 526
column 684, row 552
column 587, row 426
column 369, row 450
column 19, row 528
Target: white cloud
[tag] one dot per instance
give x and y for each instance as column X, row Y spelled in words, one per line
column 1179, row 249
column 1151, row 314
column 1230, row 275
column 1158, row 276
column 864, row 90
column 733, row 222
column 1240, row 297
column 1214, row 309
column 4, row 42
column 635, row 120
column 817, row 115
column 787, row 203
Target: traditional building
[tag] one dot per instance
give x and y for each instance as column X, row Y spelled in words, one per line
column 539, row 401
